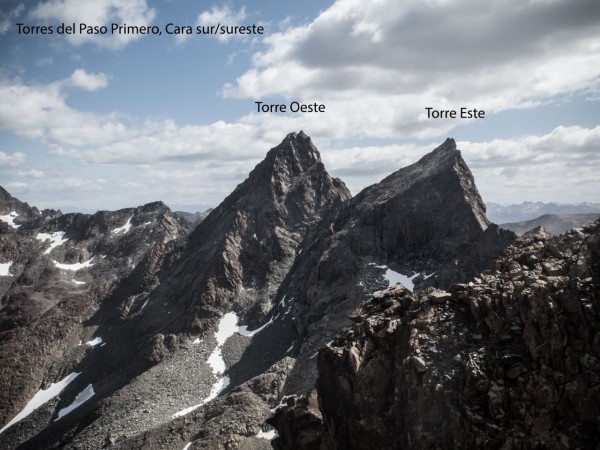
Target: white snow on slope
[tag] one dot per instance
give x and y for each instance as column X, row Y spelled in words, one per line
column 10, row 219
column 228, row 326
column 55, row 239
column 81, row 398
column 394, row 277
column 125, row 228
column 283, row 402
column 269, row 435
column 216, row 361
column 41, row 397
column 217, row 388
column 4, row 269
column 243, row 330
column 94, row 342
column 76, row 266
column 187, row 446
column 74, row 281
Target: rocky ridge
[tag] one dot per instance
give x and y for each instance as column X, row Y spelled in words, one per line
column 202, row 335
column 509, row 360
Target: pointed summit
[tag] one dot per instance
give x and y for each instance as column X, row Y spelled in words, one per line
column 295, row 154
column 251, row 238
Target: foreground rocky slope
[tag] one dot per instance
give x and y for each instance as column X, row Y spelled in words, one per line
column 195, row 338
column 509, row 360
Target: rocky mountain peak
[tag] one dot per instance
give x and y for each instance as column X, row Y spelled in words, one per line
column 224, row 322
column 295, row 154
column 13, row 212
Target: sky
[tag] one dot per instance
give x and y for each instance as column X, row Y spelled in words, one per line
column 107, row 121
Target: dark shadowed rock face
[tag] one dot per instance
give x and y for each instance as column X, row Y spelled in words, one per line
column 427, row 218
column 509, row 360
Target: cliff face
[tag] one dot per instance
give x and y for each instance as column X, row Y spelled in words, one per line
column 509, row 360
column 425, row 221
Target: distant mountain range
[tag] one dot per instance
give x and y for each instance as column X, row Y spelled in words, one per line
column 553, row 223
column 530, row 210
column 136, row 329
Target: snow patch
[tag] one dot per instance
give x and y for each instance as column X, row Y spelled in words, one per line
column 125, row 228
column 145, row 303
column 94, row 342
column 196, row 341
column 4, row 269
column 42, row 396
column 81, row 398
column 216, row 361
column 269, row 435
column 243, row 330
column 74, row 281
column 76, row 266
column 217, row 388
column 227, row 327
column 56, row 239
column 10, row 219
column 394, row 277
column 187, row 446
column 283, row 402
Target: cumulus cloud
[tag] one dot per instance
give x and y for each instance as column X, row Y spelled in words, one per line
column 97, row 13
column 41, row 112
column 223, row 15
column 88, row 81
column 380, row 64
column 558, row 166
column 11, row 160
column 33, row 173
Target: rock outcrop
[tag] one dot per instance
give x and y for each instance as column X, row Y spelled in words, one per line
column 509, row 360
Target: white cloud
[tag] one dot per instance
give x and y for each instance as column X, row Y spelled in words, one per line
column 33, row 173
column 380, row 64
column 12, row 160
column 221, row 16
column 88, row 81
column 16, row 185
column 7, row 18
column 41, row 112
column 97, row 13
column 559, row 166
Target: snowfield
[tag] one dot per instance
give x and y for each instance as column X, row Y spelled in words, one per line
column 10, row 219
column 42, row 396
column 125, row 228
column 55, row 239
column 4, row 269
column 81, row 398
column 76, row 266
